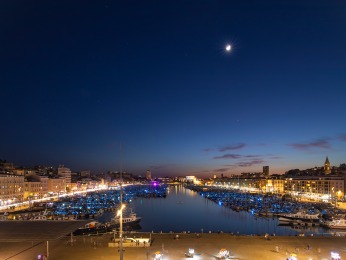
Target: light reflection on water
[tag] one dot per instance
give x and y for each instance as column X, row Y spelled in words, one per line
column 185, row 210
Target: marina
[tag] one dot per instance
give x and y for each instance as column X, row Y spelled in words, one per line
column 190, row 209
column 181, row 224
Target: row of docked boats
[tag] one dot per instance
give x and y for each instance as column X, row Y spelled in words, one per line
column 84, row 206
column 287, row 211
column 47, row 214
column 96, row 227
column 305, row 218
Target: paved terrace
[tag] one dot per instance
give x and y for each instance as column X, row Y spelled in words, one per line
column 24, row 240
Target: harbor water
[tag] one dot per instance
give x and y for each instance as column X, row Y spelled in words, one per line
column 184, row 210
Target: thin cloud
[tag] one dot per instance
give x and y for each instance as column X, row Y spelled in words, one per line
column 208, row 149
column 222, row 170
column 251, row 156
column 228, row 156
column 236, row 156
column 274, row 156
column 232, row 147
column 319, row 143
column 250, row 163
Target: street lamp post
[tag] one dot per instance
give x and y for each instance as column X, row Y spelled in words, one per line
column 121, row 210
column 121, row 223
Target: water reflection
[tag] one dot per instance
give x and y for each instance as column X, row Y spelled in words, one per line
column 185, row 210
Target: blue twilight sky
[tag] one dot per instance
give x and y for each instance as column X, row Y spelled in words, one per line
column 79, row 78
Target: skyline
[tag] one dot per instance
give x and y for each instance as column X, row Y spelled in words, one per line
column 81, row 80
column 221, row 172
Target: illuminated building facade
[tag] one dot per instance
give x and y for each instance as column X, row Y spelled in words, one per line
column 319, row 186
column 11, row 189
column 56, row 185
column 66, row 173
column 35, row 187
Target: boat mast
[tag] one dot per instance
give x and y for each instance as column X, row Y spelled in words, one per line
column 121, row 209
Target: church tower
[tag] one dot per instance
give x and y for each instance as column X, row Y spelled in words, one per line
column 327, row 166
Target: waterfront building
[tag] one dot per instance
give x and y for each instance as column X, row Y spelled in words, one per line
column 74, row 186
column 11, row 189
column 191, row 179
column 180, row 179
column 36, row 187
column 57, row 185
column 164, row 179
column 81, row 185
column 66, row 173
column 90, row 184
column 275, row 185
column 317, row 187
column 254, row 184
column 325, row 187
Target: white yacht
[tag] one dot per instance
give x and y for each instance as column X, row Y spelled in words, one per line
column 132, row 219
column 337, row 224
column 301, row 216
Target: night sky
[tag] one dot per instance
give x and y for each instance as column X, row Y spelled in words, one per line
column 80, row 79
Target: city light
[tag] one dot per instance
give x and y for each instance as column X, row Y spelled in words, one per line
column 223, row 254
column 335, row 256
column 158, row 255
column 120, row 210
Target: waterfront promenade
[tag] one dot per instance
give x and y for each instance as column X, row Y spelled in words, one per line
column 206, row 245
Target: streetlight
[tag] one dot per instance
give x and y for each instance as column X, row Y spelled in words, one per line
column 339, row 194
column 120, row 214
column 121, row 210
